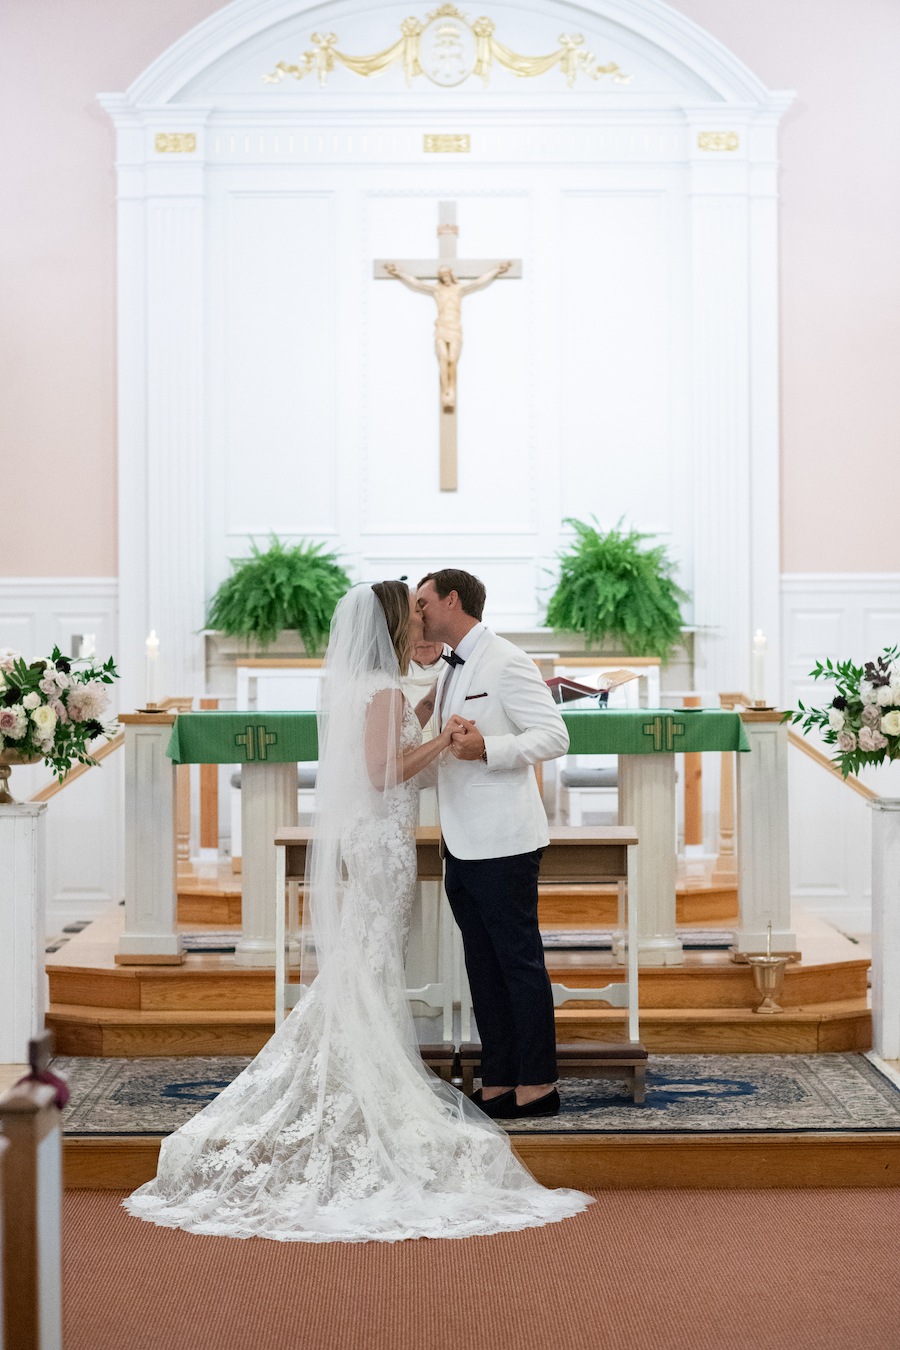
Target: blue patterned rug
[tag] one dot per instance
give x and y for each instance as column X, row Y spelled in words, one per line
column 686, row 1094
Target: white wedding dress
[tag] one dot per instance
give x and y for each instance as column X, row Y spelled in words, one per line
column 337, row 1131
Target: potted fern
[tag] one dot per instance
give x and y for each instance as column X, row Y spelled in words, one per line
column 612, row 588
column 284, row 587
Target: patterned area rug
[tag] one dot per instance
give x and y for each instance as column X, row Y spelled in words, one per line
column 686, row 1094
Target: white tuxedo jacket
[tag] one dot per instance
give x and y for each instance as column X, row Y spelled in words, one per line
column 494, row 809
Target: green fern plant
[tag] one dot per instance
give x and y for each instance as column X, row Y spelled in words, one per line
column 610, row 586
column 283, row 587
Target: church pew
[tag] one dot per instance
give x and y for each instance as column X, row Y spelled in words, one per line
column 32, row 1211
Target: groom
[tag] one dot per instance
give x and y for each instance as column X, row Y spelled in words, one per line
column 495, row 830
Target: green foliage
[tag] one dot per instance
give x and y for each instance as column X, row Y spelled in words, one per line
column 610, row 587
column 283, row 587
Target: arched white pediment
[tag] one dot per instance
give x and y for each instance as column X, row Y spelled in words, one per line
column 222, row 61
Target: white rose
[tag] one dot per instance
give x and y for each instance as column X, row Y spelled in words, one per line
column 884, row 696
column 895, row 691
column 890, row 723
column 31, row 700
column 44, row 719
column 867, row 692
column 836, row 719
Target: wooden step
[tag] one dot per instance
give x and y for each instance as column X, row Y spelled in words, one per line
column 212, row 895
column 215, row 982
column 595, row 1161
column 111, row 1032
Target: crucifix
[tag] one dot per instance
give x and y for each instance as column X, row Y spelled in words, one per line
column 447, row 279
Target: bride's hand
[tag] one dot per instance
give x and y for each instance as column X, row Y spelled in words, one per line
column 454, row 725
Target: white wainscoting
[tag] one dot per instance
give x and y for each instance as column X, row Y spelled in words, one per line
column 837, row 615
column 84, row 823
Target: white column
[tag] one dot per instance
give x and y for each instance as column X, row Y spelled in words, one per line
column 886, row 927
column 162, row 380
column 23, row 901
column 763, row 850
column 151, row 895
column 268, row 803
column 647, row 802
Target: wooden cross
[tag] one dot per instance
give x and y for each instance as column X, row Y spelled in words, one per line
column 448, row 280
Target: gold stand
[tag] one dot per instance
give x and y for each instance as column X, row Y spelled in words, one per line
column 768, row 976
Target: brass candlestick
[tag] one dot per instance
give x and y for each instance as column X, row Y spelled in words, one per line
column 768, row 976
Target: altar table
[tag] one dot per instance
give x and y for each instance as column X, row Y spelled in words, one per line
column 645, row 739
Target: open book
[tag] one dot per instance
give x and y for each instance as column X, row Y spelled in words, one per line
column 565, row 690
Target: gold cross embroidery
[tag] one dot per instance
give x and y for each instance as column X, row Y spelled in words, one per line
column 256, row 742
column 663, row 728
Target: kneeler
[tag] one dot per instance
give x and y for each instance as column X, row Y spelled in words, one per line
column 588, row 1059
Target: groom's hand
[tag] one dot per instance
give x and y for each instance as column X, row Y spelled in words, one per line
column 467, row 743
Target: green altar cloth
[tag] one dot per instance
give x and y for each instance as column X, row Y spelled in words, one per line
column 647, row 731
column 243, row 737
column 285, row 737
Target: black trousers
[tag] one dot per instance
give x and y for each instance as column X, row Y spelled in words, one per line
column 494, row 902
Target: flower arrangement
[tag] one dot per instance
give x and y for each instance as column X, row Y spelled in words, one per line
column 52, row 708
column 863, row 719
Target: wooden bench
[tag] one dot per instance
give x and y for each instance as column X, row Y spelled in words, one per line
column 589, row 1059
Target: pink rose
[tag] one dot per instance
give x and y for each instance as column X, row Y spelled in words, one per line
column 13, row 722
column 60, row 709
column 870, row 739
column 846, row 742
column 871, row 715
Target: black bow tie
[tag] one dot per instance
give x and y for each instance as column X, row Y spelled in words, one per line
column 453, row 659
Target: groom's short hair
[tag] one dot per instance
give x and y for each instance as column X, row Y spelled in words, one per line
column 470, row 590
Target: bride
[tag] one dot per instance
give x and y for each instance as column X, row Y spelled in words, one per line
column 337, row 1132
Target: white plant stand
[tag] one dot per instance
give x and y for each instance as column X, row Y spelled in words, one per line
column 23, row 904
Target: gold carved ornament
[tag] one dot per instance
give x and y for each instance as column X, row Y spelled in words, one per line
column 447, row 48
column 175, row 142
column 717, row 140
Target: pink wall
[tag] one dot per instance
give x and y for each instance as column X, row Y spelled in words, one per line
column 840, row 267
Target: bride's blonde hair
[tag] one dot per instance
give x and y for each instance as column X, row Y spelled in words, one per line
column 393, row 596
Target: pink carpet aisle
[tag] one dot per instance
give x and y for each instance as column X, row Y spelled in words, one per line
column 641, row 1270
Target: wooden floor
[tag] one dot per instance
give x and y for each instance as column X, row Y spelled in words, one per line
column 604, row 1162
column 209, row 1005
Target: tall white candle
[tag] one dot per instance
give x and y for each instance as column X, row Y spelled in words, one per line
column 152, row 662
column 758, row 668
column 89, row 645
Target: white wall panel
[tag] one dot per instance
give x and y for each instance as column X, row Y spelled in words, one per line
column 617, row 457
column 838, row 616
column 84, row 834
column 280, row 381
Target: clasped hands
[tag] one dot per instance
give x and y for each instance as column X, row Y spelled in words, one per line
column 464, row 740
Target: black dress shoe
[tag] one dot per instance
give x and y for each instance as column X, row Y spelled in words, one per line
column 548, row 1105
column 498, row 1108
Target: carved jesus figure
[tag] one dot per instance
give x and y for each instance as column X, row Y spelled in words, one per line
column 448, row 294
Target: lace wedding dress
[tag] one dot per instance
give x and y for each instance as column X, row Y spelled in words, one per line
column 337, row 1131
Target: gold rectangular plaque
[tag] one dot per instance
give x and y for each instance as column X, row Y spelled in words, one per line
column 447, row 145
column 718, row 140
column 175, row 142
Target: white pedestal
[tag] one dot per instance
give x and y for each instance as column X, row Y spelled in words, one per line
column 268, row 803
column 647, row 802
column 886, row 927
column 23, row 900
column 151, row 896
column 763, row 852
